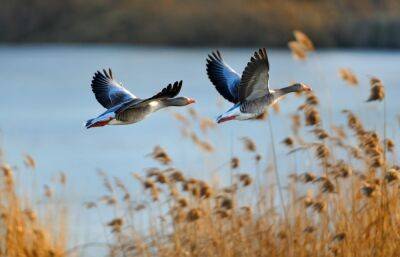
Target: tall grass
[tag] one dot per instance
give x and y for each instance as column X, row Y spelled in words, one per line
column 23, row 233
column 348, row 206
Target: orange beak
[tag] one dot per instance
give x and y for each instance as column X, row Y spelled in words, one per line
column 306, row 88
column 191, row 101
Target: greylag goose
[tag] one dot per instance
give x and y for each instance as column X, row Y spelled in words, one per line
column 250, row 93
column 125, row 108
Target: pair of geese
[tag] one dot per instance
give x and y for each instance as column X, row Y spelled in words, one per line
column 249, row 93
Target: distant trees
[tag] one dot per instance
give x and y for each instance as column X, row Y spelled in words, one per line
column 365, row 23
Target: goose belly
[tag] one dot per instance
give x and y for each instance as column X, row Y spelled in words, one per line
column 238, row 114
column 247, row 116
column 117, row 122
column 132, row 116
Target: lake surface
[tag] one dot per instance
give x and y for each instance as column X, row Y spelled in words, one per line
column 46, row 98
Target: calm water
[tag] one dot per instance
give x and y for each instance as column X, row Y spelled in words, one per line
column 46, row 98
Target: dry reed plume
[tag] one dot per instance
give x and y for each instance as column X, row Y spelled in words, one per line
column 301, row 46
column 348, row 76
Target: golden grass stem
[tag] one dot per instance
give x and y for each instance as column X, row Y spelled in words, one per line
column 275, row 162
column 384, row 133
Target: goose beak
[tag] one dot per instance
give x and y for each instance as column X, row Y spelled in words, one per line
column 305, row 87
column 191, row 101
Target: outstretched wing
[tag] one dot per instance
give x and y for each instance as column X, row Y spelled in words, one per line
column 169, row 91
column 254, row 82
column 224, row 78
column 108, row 91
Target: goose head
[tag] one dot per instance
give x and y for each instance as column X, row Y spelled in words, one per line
column 300, row 87
column 294, row 88
column 179, row 101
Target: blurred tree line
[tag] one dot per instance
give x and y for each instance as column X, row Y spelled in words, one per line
column 330, row 23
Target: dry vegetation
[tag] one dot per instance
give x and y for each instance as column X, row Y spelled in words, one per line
column 348, row 205
column 344, row 23
column 23, row 233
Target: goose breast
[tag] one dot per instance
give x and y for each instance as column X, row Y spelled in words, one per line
column 133, row 115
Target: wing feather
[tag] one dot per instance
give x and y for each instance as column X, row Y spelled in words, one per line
column 170, row 91
column 108, row 91
column 254, row 82
column 223, row 77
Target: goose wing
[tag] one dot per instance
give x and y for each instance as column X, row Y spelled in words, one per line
column 254, row 82
column 170, row 91
column 223, row 77
column 108, row 91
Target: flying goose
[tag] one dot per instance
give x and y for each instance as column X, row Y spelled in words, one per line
column 250, row 93
column 125, row 108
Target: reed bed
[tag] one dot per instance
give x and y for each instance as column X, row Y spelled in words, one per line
column 346, row 205
column 23, row 232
